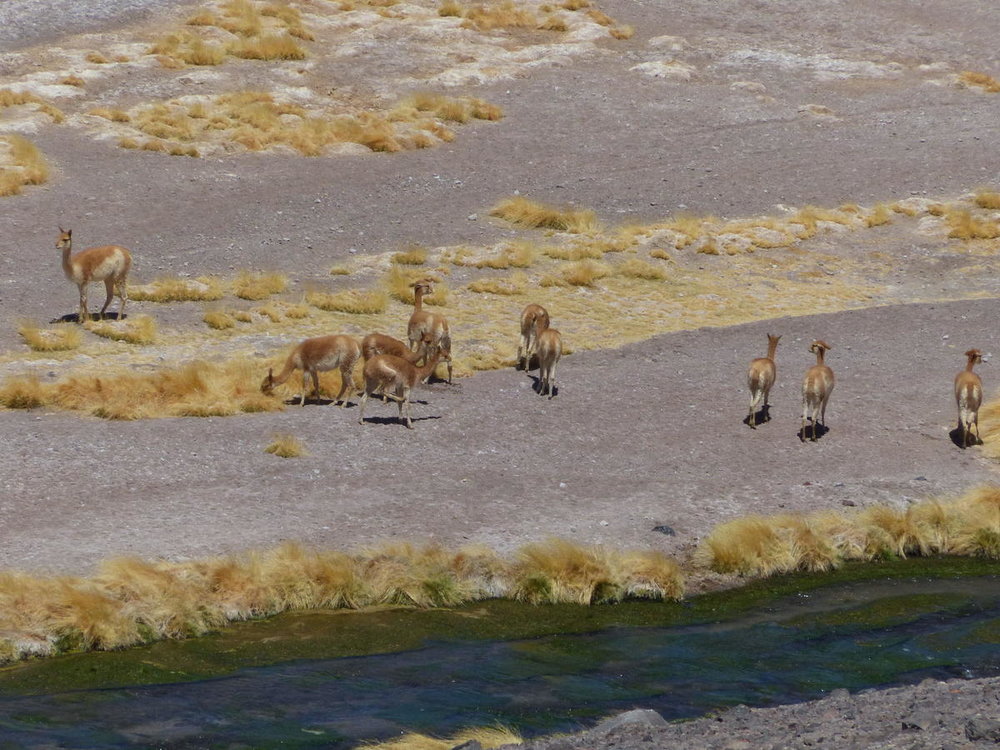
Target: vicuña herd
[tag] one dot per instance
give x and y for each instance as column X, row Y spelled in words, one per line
column 391, row 368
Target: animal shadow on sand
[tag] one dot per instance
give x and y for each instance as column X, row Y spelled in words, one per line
column 397, row 420
column 763, row 416
column 321, row 401
column 536, row 385
column 75, row 317
column 956, row 438
column 806, row 434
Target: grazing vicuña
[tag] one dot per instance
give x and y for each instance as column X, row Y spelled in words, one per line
column 317, row 355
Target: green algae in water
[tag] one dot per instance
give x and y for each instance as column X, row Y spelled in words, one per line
column 340, row 633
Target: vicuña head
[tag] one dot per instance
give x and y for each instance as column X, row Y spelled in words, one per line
column 108, row 263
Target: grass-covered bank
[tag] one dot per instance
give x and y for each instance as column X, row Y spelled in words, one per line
column 324, row 634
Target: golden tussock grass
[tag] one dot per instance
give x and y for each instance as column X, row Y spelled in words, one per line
column 268, row 47
column 257, row 286
column 109, row 113
column 514, row 284
column 505, row 14
column 96, row 58
column 340, row 271
column 415, row 256
column 286, row 446
column 578, row 251
column 513, row 255
column 398, row 283
column 764, row 546
column 963, row 225
column 11, row 98
column 218, row 319
column 584, row 273
column 351, row 301
column 59, row 338
column 133, row 601
column 174, row 289
column 140, row 329
column 622, row 32
column 878, row 216
column 72, row 80
column 986, row 198
column 973, row 79
column 634, row 268
column 450, row 8
column 448, row 108
column 485, row 737
column 534, row 215
column 21, row 164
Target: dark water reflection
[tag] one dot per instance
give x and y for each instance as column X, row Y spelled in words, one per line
column 852, row 636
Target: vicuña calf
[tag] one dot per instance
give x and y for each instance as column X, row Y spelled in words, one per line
column 424, row 322
column 108, row 263
column 534, row 320
column 760, row 378
column 816, row 389
column 395, row 378
column 968, row 396
column 549, row 352
column 317, row 355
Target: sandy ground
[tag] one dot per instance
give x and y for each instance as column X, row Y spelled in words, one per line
column 761, row 104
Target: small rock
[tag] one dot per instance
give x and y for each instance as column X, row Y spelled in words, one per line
column 980, row 728
column 921, row 721
column 639, row 717
column 668, row 530
column 920, row 479
column 848, row 502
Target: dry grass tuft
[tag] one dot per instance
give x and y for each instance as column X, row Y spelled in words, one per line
column 138, row 330
column 989, row 199
column 963, row 225
column 415, row 256
column 527, row 213
column 60, row 338
column 286, row 446
column 268, row 47
column 448, row 108
column 340, row 271
column 218, row 319
column 584, row 273
column 760, row 547
column 72, row 80
column 634, row 268
column 22, row 393
column 485, row 737
column 972, row 79
column 514, row 284
column 352, row 301
column 174, row 289
column 108, row 113
column 21, row 163
column 878, row 216
column 398, row 283
column 258, row 286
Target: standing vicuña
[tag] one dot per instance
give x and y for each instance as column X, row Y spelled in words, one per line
column 422, row 321
column 108, row 263
column 549, row 352
column 534, row 320
column 968, row 396
column 394, row 377
column 316, row 355
column 816, row 389
column 760, row 378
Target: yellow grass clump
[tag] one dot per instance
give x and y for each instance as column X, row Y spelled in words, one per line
column 268, row 47
column 340, row 271
column 398, row 283
column 138, row 330
column 964, row 225
column 485, row 737
column 415, row 256
column 448, row 108
column 108, row 113
column 973, row 79
column 132, row 601
column 764, row 546
column 989, row 199
column 516, row 283
column 174, row 289
column 583, row 273
column 634, row 268
column 286, row 446
column 352, row 301
column 60, row 338
column 218, row 319
column 878, row 216
column 527, row 213
column 258, row 286
column 505, row 14
column 21, row 163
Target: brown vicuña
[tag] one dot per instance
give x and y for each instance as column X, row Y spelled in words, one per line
column 549, row 352
column 422, row 321
column 316, row 355
column 968, row 397
column 394, row 378
column 760, row 378
column 379, row 343
column 534, row 320
column 108, row 263
column 816, row 389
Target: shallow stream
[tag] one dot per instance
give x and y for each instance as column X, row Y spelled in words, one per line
column 785, row 648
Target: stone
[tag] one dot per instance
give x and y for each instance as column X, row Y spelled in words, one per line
column 980, row 728
column 635, row 718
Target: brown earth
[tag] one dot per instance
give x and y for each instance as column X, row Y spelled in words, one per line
column 764, row 104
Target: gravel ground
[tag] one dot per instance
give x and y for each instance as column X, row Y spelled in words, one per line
column 846, row 102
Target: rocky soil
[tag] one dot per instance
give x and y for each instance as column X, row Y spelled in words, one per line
column 707, row 109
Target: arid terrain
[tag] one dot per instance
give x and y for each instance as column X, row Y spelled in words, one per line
column 689, row 109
